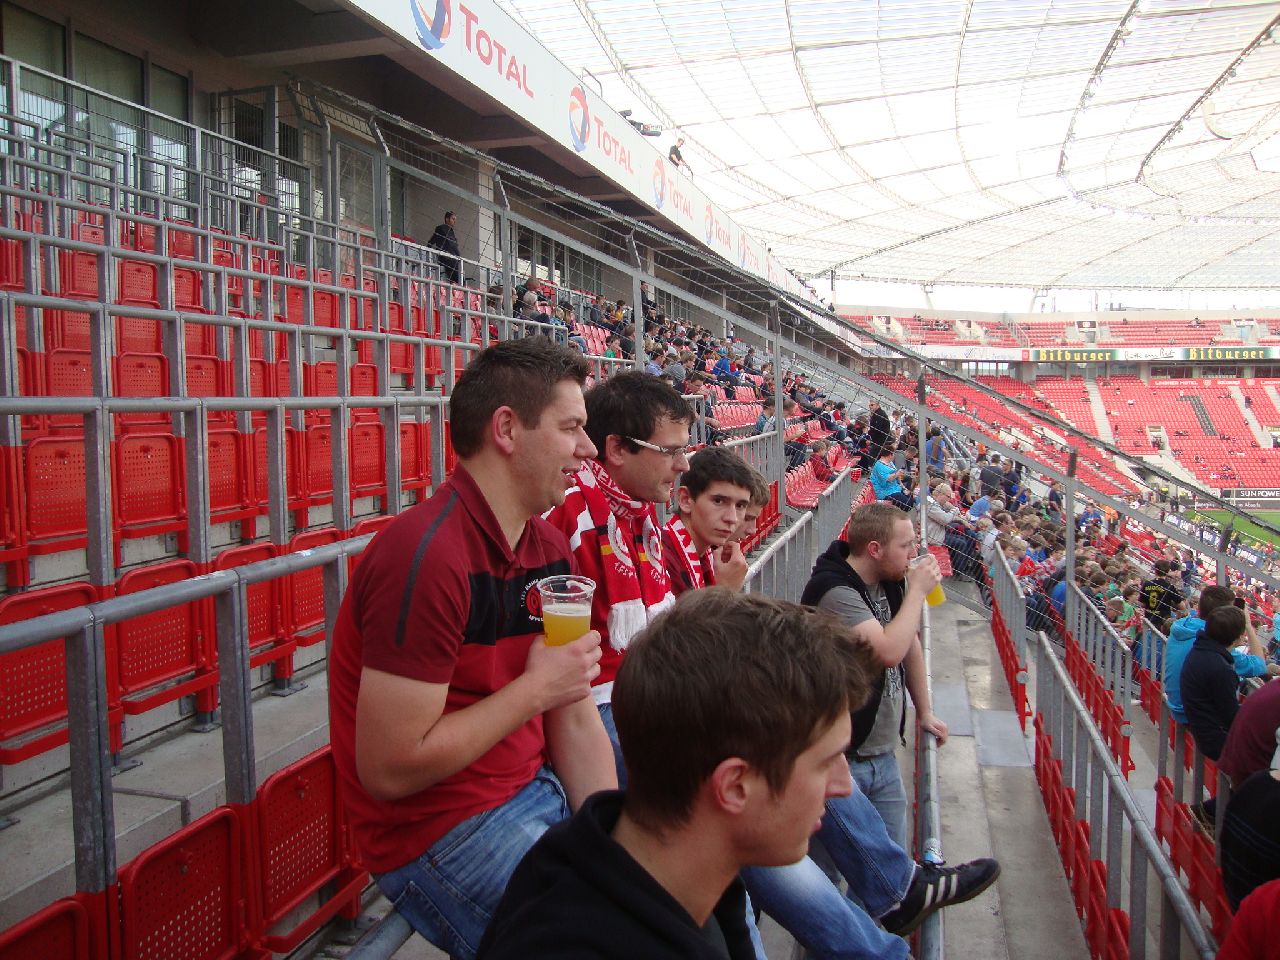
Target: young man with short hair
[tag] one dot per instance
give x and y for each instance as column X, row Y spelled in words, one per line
column 458, row 735
column 733, row 712
column 1209, row 680
column 1162, row 597
column 697, row 542
column 866, row 580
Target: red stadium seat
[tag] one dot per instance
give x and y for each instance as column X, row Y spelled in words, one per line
column 33, row 680
column 302, row 851
column 186, row 896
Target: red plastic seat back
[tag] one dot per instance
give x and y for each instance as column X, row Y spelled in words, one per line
column 58, row 932
column 33, row 681
column 184, row 897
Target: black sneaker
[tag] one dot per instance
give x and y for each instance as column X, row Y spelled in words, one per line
column 934, row 887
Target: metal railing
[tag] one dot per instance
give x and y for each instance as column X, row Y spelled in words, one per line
column 1101, row 664
column 928, row 830
column 1009, row 627
column 84, row 631
column 1091, row 809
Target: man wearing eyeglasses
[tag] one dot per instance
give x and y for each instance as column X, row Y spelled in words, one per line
column 608, row 514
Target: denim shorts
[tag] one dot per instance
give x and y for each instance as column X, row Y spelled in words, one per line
column 450, row 892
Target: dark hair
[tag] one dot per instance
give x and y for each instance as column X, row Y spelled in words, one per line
column 759, row 488
column 1212, row 597
column 872, row 522
column 1225, row 625
column 723, row 674
column 520, row 374
column 448, row 214
column 630, row 404
column 714, row 465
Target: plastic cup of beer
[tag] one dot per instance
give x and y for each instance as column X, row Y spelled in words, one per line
column 937, row 595
column 566, row 608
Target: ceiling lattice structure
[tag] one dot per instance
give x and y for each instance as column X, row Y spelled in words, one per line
column 1037, row 143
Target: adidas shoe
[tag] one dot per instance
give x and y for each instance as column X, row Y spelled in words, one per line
column 934, row 887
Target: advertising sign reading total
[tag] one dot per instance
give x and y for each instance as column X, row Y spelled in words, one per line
column 482, row 44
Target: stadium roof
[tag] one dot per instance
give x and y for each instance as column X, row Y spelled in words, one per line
column 1038, row 143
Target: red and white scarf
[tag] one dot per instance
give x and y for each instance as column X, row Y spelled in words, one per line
column 696, row 568
column 618, row 544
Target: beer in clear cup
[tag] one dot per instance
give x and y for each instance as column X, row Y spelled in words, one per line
column 937, row 595
column 566, row 608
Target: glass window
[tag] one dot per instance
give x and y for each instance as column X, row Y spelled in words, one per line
column 169, row 93
column 33, row 39
column 108, row 69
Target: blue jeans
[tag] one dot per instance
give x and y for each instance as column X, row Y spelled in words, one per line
column 449, row 893
column 809, row 906
column 879, row 778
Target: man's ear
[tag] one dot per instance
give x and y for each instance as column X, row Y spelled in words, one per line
column 503, row 425
column 684, row 500
column 731, row 785
column 614, row 451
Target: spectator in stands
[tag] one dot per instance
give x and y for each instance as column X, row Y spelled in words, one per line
column 717, row 664
column 1162, row 598
column 444, row 716
column 819, row 463
column 1209, row 681
column 946, row 525
column 1253, row 928
column 446, row 241
column 710, row 430
column 1251, row 742
column 886, row 480
column 935, row 451
column 679, row 368
column 697, row 542
column 1182, row 637
column 866, row 581
column 1249, row 849
column 991, row 477
column 878, row 431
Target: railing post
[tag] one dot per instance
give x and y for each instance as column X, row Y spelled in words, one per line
column 232, row 612
column 1069, row 507
column 92, row 807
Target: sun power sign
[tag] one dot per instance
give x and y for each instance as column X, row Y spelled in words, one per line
column 487, row 48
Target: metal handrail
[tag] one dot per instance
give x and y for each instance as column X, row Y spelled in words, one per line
column 1102, row 791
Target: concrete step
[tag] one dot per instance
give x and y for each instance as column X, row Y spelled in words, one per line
column 179, row 778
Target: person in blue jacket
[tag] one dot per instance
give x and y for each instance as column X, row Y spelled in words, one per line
column 1182, row 636
column 886, row 479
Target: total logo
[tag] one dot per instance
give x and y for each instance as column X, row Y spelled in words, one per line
column 433, row 28
column 579, row 119
column 717, row 233
column 659, row 183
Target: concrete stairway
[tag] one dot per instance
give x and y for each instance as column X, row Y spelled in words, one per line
column 1263, row 438
column 1099, row 411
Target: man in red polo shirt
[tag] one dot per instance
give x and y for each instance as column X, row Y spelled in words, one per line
column 459, row 736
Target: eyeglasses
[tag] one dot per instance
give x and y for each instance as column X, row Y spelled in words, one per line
column 672, row 452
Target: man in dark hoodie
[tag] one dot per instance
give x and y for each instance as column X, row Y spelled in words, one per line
column 767, row 686
column 1209, row 680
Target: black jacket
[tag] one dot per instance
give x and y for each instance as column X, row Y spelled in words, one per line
column 832, row 570
column 878, row 431
column 1209, row 694
column 991, row 477
column 577, row 894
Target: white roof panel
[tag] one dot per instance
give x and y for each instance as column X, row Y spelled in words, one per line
column 1038, row 142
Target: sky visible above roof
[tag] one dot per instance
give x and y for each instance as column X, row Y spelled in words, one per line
column 1033, row 143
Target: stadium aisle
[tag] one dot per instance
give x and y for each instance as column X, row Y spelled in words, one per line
column 991, row 805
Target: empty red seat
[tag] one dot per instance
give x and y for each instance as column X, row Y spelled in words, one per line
column 302, row 851
column 61, row 931
column 33, row 681
column 186, row 896
column 149, row 484
column 54, row 480
column 154, row 650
